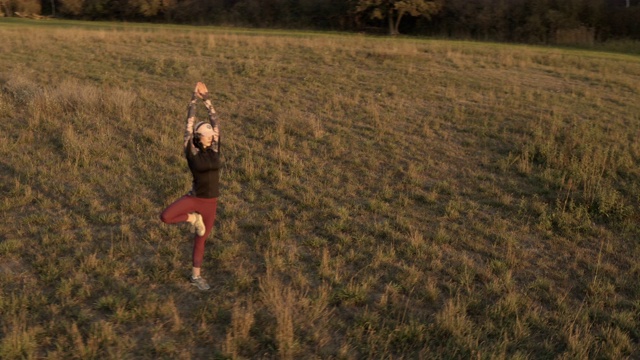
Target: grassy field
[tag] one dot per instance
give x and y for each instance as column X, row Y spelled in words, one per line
column 382, row 198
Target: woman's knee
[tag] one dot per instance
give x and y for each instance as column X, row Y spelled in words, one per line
column 165, row 218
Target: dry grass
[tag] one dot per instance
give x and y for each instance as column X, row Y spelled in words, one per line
column 382, row 198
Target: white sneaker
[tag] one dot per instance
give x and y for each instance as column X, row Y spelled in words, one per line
column 199, row 282
column 198, row 225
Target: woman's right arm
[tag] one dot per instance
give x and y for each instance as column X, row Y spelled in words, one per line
column 191, row 118
column 213, row 119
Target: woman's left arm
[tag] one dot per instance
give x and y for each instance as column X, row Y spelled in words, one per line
column 213, row 118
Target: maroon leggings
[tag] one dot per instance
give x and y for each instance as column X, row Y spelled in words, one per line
column 179, row 211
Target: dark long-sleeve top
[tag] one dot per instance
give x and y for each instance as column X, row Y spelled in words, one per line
column 204, row 164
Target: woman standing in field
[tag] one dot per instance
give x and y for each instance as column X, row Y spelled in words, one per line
column 198, row 207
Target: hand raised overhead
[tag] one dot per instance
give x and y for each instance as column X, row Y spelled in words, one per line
column 201, row 91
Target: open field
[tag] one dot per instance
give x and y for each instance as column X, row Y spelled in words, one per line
column 382, row 198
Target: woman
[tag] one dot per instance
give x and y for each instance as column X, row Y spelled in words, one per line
column 198, row 207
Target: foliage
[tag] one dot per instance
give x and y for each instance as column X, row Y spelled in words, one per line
column 394, row 10
column 26, row 7
column 531, row 21
column 72, row 7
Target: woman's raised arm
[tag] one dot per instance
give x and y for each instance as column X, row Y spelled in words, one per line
column 191, row 118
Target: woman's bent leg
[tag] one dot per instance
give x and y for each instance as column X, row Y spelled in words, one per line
column 179, row 211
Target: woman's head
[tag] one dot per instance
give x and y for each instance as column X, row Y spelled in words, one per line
column 204, row 134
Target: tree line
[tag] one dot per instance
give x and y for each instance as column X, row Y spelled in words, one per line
column 531, row 21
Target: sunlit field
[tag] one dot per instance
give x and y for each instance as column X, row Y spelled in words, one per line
column 381, row 197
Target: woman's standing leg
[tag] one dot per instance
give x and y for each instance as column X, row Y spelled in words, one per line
column 185, row 209
column 207, row 208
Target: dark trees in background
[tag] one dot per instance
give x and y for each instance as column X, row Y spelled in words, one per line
column 532, row 21
column 393, row 11
column 537, row 21
column 11, row 7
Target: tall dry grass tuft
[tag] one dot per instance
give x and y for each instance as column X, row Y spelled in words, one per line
column 455, row 327
column 19, row 340
column 242, row 320
column 582, row 166
column 282, row 302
